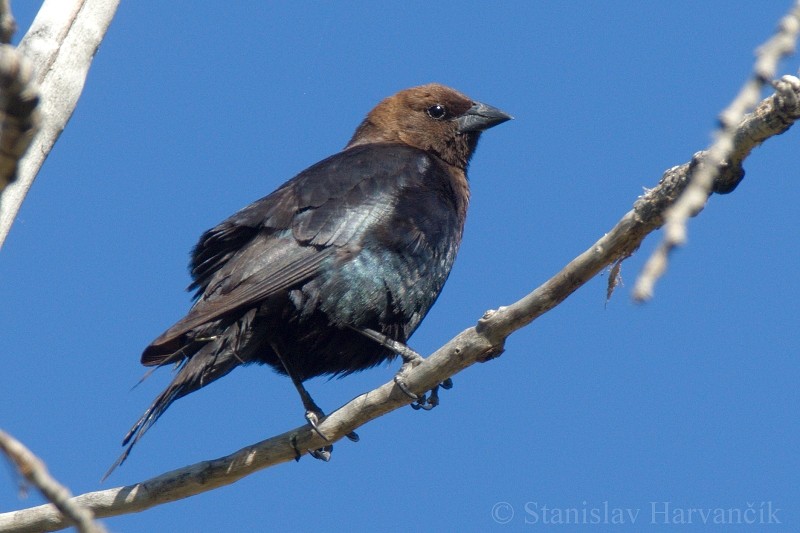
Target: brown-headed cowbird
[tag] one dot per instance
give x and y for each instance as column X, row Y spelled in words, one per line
column 339, row 264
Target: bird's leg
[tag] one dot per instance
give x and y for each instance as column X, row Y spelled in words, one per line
column 410, row 357
column 410, row 360
column 314, row 414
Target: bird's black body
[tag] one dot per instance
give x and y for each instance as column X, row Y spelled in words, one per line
column 375, row 224
column 361, row 241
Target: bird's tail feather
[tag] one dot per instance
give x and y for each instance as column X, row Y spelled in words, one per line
column 202, row 368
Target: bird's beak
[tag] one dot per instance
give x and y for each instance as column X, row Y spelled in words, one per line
column 481, row 117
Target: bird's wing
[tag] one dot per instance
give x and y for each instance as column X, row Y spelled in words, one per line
column 283, row 239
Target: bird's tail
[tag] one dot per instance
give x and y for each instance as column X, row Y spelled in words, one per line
column 210, row 363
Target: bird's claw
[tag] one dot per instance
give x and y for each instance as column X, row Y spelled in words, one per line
column 314, row 419
column 403, row 387
column 425, row 402
column 293, row 442
column 323, row 454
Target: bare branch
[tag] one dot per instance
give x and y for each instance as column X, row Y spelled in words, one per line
column 722, row 149
column 773, row 116
column 8, row 26
column 34, row 470
column 61, row 44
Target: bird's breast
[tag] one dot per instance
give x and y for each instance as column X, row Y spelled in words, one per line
column 395, row 275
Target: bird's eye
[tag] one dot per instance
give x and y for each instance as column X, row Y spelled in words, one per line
column 437, row 112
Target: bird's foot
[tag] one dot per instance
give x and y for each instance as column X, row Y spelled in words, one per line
column 323, row 454
column 425, row 402
column 411, row 360
column 314, row 417
column 403, row 387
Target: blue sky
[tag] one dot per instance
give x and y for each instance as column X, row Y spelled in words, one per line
column 193, row 110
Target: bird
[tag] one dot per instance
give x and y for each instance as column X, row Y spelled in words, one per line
column 332, row 272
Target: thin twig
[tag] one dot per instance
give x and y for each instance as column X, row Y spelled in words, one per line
column 694, row 197
column 8, row 26
column 34, row 470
